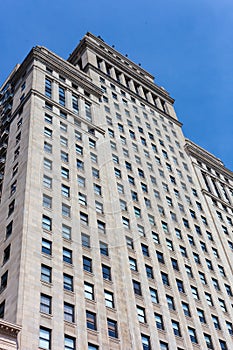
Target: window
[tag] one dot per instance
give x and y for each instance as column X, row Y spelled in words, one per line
column 112, row 328
column 48, row 132
column 209, row 299
column 228, row 290
column 149, row 271
column 165, row 226
column 92, row 347
column 160, row 256
column 180, row 286
column 109, row 301
column 45, row 338
column 80, row 164
column 145, row 342
column 82, row 199
column 196, row 258
column 141, row 314
column 47, row 147
column 201, row 315
column 103, row 248
column 215, row 283
column 175, row 264
column 176, row 328
column 154, row 295
column 91, row 320
column 47, row 182
column 189, row 271
column 69, row 343
column 81, row 181
column 84, row 218
column 45, row 304
column 229, row 327
column 65, row 210
column 223, row 344
column 75, row 104
column 129, row 242
column 65, row 173
column 216, row 322
column 192, row 335
column 46, row 246
column 155, row 237
column 125, row 222
column 159, row 321
column 4, row 279
column 183, row 251
column 194, row 292
column 165, row 278
column 186, row 309
column 61, row 96
column 221, row 271
column 46, row 274
column 68, row 312
column 137, row 287
column 85, row 240
column 67, row 255
column 95, row 173
column 163, row 346
column 68, row 282
column 64, row 157
column 48, row 87
column 222, row 305
column 145, row 250
column 106, row 272
column 66, row 232
column 208, row 341
column 97, row 189
column 87, row 264
column 2, row 309
column 6, row 254
column 170, row 302
column 65, row 191
column 133, row 264
column 202, row 277
column 46, row 223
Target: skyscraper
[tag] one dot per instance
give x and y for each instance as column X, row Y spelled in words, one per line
column 116, row 231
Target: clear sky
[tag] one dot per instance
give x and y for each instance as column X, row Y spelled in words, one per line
column 186, row 44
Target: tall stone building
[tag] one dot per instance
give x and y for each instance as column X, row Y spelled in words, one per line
column 116, row 231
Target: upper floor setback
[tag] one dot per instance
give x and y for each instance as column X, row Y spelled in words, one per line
column 93, row 51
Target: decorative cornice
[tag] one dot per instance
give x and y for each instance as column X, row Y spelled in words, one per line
column 86, row 42
column 206, row 157
column 61, row 66
column 204, row 191
column 9, row 329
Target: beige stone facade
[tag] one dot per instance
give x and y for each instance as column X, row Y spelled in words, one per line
column 116, row 231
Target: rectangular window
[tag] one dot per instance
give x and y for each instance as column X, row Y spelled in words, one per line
column 45, row 304
column 109, row 301
column 46, row 246
column 48, row 87
column 87, row 264
column 89, row 291
column 46, row 274
column 69, row 343
column 68, row 282
column 106, row 272
column 45, row 338
column 91, row 320
column 112, row 328
column 75, row 104
column 68, row 312
column 61, row 96
column 67, row 255
column 66, row 232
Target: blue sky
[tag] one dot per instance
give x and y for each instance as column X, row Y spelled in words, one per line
column 187, row 45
